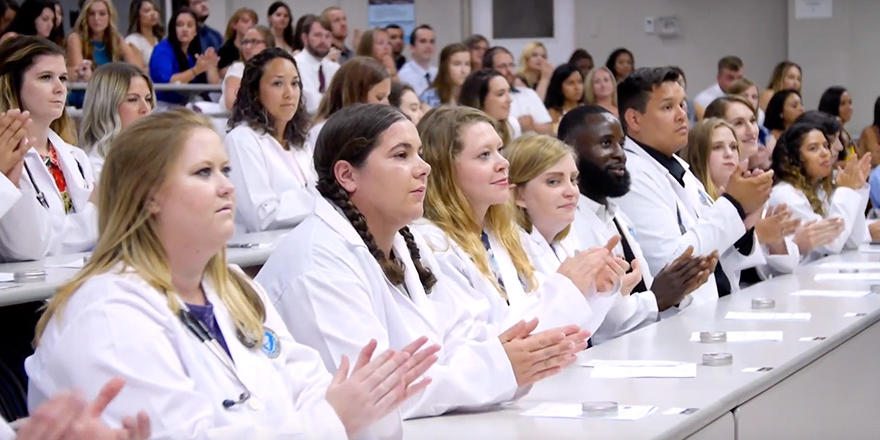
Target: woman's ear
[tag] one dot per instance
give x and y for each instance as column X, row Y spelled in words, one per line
column 346, row 175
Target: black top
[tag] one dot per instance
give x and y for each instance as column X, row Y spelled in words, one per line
column 228, row 53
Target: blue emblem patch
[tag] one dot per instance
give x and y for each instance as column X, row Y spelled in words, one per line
column 271, row 343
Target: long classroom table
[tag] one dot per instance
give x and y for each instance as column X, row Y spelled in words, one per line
column 822, row 388
column 62, row 268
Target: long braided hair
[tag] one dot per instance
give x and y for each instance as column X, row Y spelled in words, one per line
column 351, row 134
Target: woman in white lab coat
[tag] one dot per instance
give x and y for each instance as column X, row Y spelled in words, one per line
column 802, row 165
column 202, row 351
column 545, row 178
column 117, row 95
column 713, row 153
column 271, row 166
column 55, row 214
column 469, row 224
column 353, row 270
column 359, row 80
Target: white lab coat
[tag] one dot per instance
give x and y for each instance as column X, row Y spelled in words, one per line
column 9, row 194
column 118, row 325
column 630, row 312
column 656, row 201
column 334, row 297
column 844, row 203
column 556, row 301
column 29, row 231
column 312, row 136
column 6, row 432
column 275, row 188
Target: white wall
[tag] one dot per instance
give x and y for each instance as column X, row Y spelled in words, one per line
column 754, row 30
column 841, row 50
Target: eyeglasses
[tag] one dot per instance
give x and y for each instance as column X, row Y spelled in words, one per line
column 248, row 42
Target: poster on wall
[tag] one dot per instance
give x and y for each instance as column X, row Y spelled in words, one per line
column 381, row 13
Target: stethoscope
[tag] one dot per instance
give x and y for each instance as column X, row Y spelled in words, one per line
column 198, row 328
column 41, row 197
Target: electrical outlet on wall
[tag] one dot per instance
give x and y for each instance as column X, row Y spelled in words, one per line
column 649, row 25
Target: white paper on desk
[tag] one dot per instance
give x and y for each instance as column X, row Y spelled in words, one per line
column 72, row 264
column 857, row 276
column 768, row 316
column 832, row 293
column 686, row 369
column 629, row 363
column 746, row 336
column 6, row 277
column 869, row 249
column 851, row 265
column 555, row 409
column 631, row 412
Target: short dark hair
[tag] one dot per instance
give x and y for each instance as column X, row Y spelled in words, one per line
column 609, row 63
column 821, row 120
column 634, row 91
column 412, row 36
column 476, row 87
column 773, row 115
column 730, row 62
column 580, row 54
column 555, row 98
column 310, row 19
column 876, row 112
column 830, row 100
column 393, row 26
column 575, row 121
column 472, row 41
column 489, row 56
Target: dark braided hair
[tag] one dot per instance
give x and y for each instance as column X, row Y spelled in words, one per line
column 351, row 134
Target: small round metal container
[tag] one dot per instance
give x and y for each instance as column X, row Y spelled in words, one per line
column 598, row 409
column 29, row 276
column 717, row 359
column 763, row 303
column 710, row 337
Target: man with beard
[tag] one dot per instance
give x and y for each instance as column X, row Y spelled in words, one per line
column 395, row 37
column 597, row 138
column 315, row 71
column 335, row 16
column 669, row 207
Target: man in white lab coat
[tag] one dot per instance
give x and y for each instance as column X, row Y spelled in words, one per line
column 669, row 208
column 597, row 138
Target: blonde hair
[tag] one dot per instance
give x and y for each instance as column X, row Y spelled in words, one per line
column 112, row 38
column 104, row 93
column 230, row 25
column 137, row 166
column 445, row 203
column 18, row 55
column 529, row 156
column 526, row 54
column 699, row 148
column 589, row 95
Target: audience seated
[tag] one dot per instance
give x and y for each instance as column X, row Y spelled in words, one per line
column 117, row 95
column 621, row 63
column 786, row 75
column 179, row 57
column 280, row 22
column 256, row 40
column 600, row 88
column 239, row 23
column 534, row 69
column 565, row 92
column 144, row 29
column 455, row 66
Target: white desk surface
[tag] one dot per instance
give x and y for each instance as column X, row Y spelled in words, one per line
column 715, row 390
column 16, row 293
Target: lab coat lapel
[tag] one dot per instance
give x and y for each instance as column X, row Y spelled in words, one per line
column 512, row 286
column 78, row 188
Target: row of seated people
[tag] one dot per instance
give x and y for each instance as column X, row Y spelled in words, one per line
column 505, row 252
